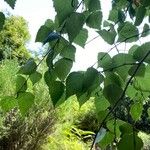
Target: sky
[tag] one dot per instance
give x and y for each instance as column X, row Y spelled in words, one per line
column 36, row 12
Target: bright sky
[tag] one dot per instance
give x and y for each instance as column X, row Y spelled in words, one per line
column 37, row 11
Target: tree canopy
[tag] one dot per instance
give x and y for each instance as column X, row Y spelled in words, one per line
column 13, row 37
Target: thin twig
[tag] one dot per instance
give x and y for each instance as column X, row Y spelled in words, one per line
column 117, row 44
column 121, row 65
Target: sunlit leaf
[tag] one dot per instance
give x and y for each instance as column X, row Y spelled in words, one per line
column 8, row 103
column 136, row 111
column 25, row 102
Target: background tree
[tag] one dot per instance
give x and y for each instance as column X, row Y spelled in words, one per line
column 13, row 38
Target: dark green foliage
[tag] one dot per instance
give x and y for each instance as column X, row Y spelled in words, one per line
column 56, row 90
column 108, row 35
column 140, row 14
column 11, row 3
column 81, row 38
column 2, row 20
column 94, row 20
column 74, row 24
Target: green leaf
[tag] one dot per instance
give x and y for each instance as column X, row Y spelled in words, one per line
column 69, row 52
column 35, row 77
column 2, row 20
column 56, row 90
column 49, row 23
column 136, row 111
column 43, row 33
column 129, row 142
column 108, row 139
column 94, row 20
column 25, row 102
column 11, row 3
column 127, row 32
column 113, row 15
column 74, row 84
column 8, row 103
column 62, row 68
column 139, row 72
column 126, row 128
column 56, row 48
column 121, row 59
column 143, row 83
column 104, row 60
column 119, row 4
column 131, row 92
column 146, row 30
column 113, row 78
column 92, row 80
column 64, row 9
column 133, row 49
column 49, row 77
column 81, row 38
column 114, row 126
column 93, row 5
column 140, row 14
column 101, row 103
column 141, row 51
column 108, row 36
column 28, row 68
column 74, row 24
column 112, row 93
column 21, row 84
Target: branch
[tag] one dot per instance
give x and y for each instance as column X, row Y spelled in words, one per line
column 125, row 64
column 117, row 44
column 121, row 97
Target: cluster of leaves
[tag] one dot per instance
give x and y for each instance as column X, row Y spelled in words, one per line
column 124, row 75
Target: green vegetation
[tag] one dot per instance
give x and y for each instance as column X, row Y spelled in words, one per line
column 45, row 105
column 13, row 38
